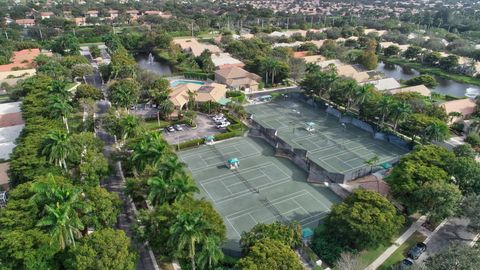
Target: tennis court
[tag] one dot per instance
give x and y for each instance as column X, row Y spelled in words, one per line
column 265, row 188
column 336, row 147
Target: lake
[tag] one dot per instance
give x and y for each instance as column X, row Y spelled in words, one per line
column 445, row 86
column 154, row 66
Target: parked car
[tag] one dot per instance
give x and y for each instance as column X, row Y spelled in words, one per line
column 219, row 121
column 218, row 118
column 223, row 124
column 178, row 127
column 405, row 264
column 170, row 129
column 417, row 250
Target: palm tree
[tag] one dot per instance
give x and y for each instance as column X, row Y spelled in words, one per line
column 158, row 190
column 171, row 166
column 362, row 93
column 187, row 231
column 400, row 111
column 385, row 106
column 128, row 126
column 436, row 131
column 166, row 107
column 60, row 108
column 148, row 151
column 210, row 253
column 181, row 188
column 56, row 147
column 63, row 223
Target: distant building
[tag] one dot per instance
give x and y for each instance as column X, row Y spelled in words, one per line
column 238, row 79
column 92, row 14
column 113, row 14
column 25, row 22
column 80, row 21
column 224, row 60
column 422, row 89
column 46, row 15
column 385, row 84
column 465, row 106
column 191, row 45
column 180, row 96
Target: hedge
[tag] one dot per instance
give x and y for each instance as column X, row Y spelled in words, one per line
column 189, row 144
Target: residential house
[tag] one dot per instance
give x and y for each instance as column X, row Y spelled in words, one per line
column 133, row 13
column 191, row 45
column 422, row 89
column 164, row 15
column 224, row 60
column 181, row 94
column 80, row 21
column 113, row 14
column 385, row 84
column 11, row 125
column 46, row 15
column 350, row 72
column 92, row 13
column 388, row 44
column 238, row 78
column 465, row 106
column 25, row 22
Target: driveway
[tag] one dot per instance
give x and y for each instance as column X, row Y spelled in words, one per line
column 454, row 230
column 205, row 127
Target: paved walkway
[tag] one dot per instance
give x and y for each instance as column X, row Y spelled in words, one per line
column 116, row 183
column 415, row 226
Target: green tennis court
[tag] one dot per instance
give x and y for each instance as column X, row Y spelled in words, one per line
column 265, row 188
column 336, row 147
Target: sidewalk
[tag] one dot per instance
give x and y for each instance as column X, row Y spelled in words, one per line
column 385, row 255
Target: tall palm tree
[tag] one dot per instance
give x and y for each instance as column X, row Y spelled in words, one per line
column 400, row 111
column 148, row 151
column 181, row 188
column 210, row 253
column 60, row 108
column 56, row 147
column 385, row 106
column 165, row 108
column 128, row 126
column 436, row 131
column 362, row 93
column 63, row 224
column 187, row 231
column 171, row 166
column 158, row 190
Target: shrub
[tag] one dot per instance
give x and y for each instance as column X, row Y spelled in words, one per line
column 473, row 139
column 189, row 144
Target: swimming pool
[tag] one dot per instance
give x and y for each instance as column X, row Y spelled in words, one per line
column 179, row 82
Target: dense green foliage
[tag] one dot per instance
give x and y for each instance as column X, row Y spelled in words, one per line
column 364, row 219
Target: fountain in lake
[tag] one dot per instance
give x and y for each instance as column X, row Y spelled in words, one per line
column 472, row 92
column 150, row 59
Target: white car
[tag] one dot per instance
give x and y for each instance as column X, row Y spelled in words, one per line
column 218, row 118
column 223, row 124
column 219, row 121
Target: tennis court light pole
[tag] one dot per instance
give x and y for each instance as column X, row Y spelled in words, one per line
column 344, row 133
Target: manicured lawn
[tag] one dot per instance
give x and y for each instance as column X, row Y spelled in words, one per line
column 434, row 71
column 401, row 252
column 368, row 256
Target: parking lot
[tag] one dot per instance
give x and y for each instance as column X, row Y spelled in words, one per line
column 205, row 127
